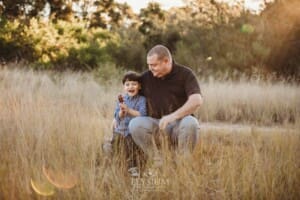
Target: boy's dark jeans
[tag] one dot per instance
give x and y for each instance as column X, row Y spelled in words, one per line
column 125, row 147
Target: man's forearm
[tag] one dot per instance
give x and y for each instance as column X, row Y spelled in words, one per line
column 194, row 101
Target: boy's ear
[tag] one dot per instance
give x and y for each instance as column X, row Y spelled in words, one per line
column 140, row 86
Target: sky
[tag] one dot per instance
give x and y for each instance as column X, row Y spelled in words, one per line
column 136, row 5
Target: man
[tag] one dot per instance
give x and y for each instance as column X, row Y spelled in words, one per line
column 173, row 94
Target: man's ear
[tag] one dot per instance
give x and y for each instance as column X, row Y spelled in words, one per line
column 166, row 60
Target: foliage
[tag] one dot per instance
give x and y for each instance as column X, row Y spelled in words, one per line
column 59, row 45
column 209, row 36
column 283, row 38
column 129, row 52
column 21, row 8
column 223, row 47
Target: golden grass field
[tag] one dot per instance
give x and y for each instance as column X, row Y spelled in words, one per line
column 52, row 127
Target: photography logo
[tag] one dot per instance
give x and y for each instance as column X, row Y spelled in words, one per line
column 150, row 181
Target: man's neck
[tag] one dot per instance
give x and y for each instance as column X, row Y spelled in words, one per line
column 169, row 69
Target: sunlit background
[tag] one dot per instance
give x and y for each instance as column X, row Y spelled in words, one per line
column 253, row 5
column 61, row 66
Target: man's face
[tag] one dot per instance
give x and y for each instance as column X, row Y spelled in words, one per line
column 159, row 68
column 132, row 88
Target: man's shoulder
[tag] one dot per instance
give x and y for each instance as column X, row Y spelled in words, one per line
column 183, row 68
column 146, row 73
column 147, row 76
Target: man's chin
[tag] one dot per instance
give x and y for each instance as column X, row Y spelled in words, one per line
column 156, row 75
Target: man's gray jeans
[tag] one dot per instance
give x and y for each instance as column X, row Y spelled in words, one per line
column 183, row 133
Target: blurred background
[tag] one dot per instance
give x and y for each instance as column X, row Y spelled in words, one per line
column 217, row 38
column 61, row 63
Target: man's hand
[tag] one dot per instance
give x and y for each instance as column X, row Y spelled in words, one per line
column 165, row 120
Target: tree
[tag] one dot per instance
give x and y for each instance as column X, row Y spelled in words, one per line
column 152, row 24
column 109, row 14
column 61, row 9
column 282, row 35
column 12, row 9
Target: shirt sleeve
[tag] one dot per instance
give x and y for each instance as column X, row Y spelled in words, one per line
column 142, row 107
column 191, row 84
column 116, row 114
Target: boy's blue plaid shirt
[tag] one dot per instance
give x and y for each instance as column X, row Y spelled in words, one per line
column 137, row 103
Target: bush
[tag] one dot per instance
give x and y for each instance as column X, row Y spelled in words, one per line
column 61, row 45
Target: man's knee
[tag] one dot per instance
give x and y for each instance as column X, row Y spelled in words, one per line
column 189, row 128
column 139, row 125
column 141, row 129
column 134, row 125
column 189, row 124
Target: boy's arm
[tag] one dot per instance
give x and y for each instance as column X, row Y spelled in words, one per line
column 117, row 114
column 133, row 112
column 129, row 111
column 142, row 110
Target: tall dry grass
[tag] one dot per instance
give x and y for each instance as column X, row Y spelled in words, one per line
column 256, row 102
column 59, row 121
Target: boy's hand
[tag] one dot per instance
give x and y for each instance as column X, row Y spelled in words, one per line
column 122, row 105
column 120, row 98
column 123, row 110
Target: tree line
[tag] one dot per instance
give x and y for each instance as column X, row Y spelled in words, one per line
column 211, row 37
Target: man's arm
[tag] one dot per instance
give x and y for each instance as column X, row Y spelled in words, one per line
column 194, row 101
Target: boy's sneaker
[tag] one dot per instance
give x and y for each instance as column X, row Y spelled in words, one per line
column 151, row 172
column 107, row 148
column 134, row 172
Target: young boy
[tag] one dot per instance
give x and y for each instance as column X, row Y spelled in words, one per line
column 129, row 106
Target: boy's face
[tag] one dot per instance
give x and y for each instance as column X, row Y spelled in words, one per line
column 132, row 87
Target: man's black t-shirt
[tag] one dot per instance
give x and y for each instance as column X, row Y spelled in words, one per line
column 167, row 94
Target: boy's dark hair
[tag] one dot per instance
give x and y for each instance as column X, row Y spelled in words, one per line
column 131, row 76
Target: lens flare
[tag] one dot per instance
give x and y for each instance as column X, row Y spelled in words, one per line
column 209, row 58
column 43, row 188
column 60, row 179
column 247, row 28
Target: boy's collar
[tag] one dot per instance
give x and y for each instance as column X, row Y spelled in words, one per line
column 131, row 97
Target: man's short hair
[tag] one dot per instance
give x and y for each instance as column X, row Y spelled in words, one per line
column 131, row 76
column 161, row 51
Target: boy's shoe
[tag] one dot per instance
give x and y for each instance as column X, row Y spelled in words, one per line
column 151, row 172
column 134, row 172
column 107, row 148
